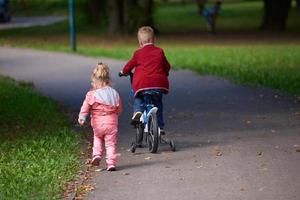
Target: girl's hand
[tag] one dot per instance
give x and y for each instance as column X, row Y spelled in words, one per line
column 81, row 122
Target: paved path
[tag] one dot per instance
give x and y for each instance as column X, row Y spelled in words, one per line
column 234, row 142
column 22, row 22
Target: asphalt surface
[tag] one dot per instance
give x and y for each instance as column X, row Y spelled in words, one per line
column 233, row 142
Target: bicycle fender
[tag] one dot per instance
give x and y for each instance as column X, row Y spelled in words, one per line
column 153, row 110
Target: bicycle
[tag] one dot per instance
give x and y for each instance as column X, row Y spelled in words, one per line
column 147, row 127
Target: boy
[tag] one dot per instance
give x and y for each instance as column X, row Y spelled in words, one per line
column 151, row 69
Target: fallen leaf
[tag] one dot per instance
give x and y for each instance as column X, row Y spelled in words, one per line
column 148, row 158
column 218, row 152
column 260, row 153
column 298, row 150
column 242, row 189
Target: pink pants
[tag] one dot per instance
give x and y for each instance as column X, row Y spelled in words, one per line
column 107, row 134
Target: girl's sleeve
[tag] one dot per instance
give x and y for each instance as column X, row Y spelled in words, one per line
column 85, row 108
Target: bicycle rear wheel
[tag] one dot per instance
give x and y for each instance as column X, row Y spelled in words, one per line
column 152, row 133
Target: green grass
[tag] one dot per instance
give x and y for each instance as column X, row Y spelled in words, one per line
column 273, row 66
column 39, row 153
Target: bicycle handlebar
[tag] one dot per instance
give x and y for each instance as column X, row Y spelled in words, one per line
column 121, row 74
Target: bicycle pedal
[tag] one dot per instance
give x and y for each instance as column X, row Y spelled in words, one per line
column 134, row 123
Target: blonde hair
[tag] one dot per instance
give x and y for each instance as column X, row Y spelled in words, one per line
column 100, row 75
column 145, row 34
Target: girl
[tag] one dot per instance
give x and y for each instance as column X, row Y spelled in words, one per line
column 104, row 104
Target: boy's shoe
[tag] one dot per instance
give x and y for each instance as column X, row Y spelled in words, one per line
column 136, row 116
column 111, row 168
column 96, row 160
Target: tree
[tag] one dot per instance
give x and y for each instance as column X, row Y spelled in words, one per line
column 275, row 14
column 298, row 4
column 118, row 15
column 115, row 10
column 95, row 11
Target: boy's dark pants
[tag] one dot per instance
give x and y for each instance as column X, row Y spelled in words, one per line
column 140, row 101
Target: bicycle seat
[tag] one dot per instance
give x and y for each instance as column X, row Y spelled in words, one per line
column 151, row 92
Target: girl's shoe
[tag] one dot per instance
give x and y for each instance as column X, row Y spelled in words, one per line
column 111, row 168
column 96, row 160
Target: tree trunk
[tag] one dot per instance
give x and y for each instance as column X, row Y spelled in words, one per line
column 200, row 6
column 148, row 18
column 131, row 15
column 115, row 10
column 298, row 4
column 136, row 14
column 94, row 10
column 275, row 14
column 128, row 15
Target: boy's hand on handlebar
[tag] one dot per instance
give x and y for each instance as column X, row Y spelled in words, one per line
column 121, row 74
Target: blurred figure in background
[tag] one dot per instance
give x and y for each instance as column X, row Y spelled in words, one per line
column 4, row 11
column 210, row 14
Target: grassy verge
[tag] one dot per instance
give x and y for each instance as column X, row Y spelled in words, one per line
column 39, row 153
column 274, row 66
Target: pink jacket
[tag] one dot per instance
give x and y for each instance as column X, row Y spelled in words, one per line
column 104, row 104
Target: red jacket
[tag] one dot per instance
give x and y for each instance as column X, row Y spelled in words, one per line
column 151, row 69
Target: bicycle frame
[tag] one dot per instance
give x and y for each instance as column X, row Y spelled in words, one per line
column 148, row 126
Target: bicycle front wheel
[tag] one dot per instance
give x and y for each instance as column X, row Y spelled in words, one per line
column 152, row 133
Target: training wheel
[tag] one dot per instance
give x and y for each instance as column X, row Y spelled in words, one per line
column 133, row 147
column 172, row 145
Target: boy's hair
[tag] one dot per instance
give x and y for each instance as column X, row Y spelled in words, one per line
column 100, row 74
column 145, row 34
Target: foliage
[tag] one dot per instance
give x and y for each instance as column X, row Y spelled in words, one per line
column 38, row 151
column 236, row 15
